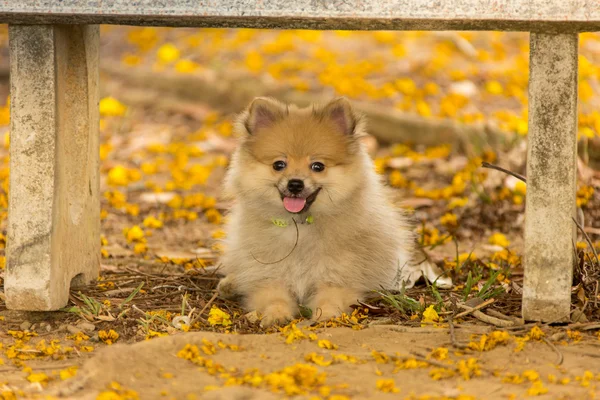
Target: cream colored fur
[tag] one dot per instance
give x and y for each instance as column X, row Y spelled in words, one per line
column 358, row 241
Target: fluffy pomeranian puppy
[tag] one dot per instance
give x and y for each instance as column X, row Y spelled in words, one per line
column 312, row 224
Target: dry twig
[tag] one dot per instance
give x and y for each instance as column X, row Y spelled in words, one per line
column 560, row 359
column 197, row 317
column 420, row 357
column 486, row 318
column 492, row 166
column 471, row 309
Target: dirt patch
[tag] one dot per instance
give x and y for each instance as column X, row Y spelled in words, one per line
column 153, row 369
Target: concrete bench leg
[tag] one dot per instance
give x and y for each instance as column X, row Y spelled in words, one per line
column 54, row 209
column 551, row 177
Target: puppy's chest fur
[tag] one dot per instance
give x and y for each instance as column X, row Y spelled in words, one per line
column 331, row 251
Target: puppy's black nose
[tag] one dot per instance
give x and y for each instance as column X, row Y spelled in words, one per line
column 295, row 186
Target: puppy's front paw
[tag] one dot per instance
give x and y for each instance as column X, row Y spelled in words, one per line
column 276, row 314
column 226, row 288
column 327, row 311
column 332, row 301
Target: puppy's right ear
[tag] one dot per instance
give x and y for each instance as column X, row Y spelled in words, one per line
column 262, row 113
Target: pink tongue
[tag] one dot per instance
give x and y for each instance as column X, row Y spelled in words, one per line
column 294, row 204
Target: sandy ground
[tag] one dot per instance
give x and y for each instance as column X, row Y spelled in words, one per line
column 154, row 145
column 153, row 369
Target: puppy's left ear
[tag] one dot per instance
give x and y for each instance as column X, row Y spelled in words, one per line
column 340, row 112
column 262, row 113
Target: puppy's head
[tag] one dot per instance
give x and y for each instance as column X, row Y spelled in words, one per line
column 292, row 160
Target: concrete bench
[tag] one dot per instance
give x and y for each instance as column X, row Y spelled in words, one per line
column 54, row 224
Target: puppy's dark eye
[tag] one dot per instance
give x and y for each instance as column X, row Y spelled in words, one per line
column 317, row 167
column 279, row 165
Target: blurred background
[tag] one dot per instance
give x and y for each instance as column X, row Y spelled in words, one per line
column 439, row 103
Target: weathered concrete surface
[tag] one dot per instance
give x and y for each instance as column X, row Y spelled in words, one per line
column 525, row 15
column 54, row 210
column 551, row 177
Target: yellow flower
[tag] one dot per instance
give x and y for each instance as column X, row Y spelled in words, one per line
column 213, row 216
column 531, row 375
column 430, row 315
column 134, row 234
column 317, row 359
column 219, row 234
column 520, row 188
column 585, row 90
column 254, row 61
column 131, row 59
column 209, row 202
column 140, row 248
column 151, row 222
column 499, row 239
column 387, row 386
column 489, row 342
column 399, row 50
column 105, row 149
column 406, row 86
column 167, row 53
column 216, row 316
column 457, row 202
column 326, row 344
column 68, row 373
column 469, row 368
column 4, row 115
column 111, row 107
column 449, row 220
column 441, row 373
column 38, row 377
column 423, row 109
column 118, row 176
column 431, row 88
column 186, row 66
column 537, row 389
column 108, row 337
column 576, row 336
column 397, row 180
column 380, row 165
column 584, row 194
column 536, row 333
column 441, row 353
column 225, row 128
column 494, row 87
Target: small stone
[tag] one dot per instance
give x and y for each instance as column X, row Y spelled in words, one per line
column 579, row 317
column 171, row 330
column 45, row 326
column 464, row 88
column 86, row 326
column 73, row 329
column 25, row 325
column 252, row 317
column 305, row 324
column 400, row 162
column 153, row 198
